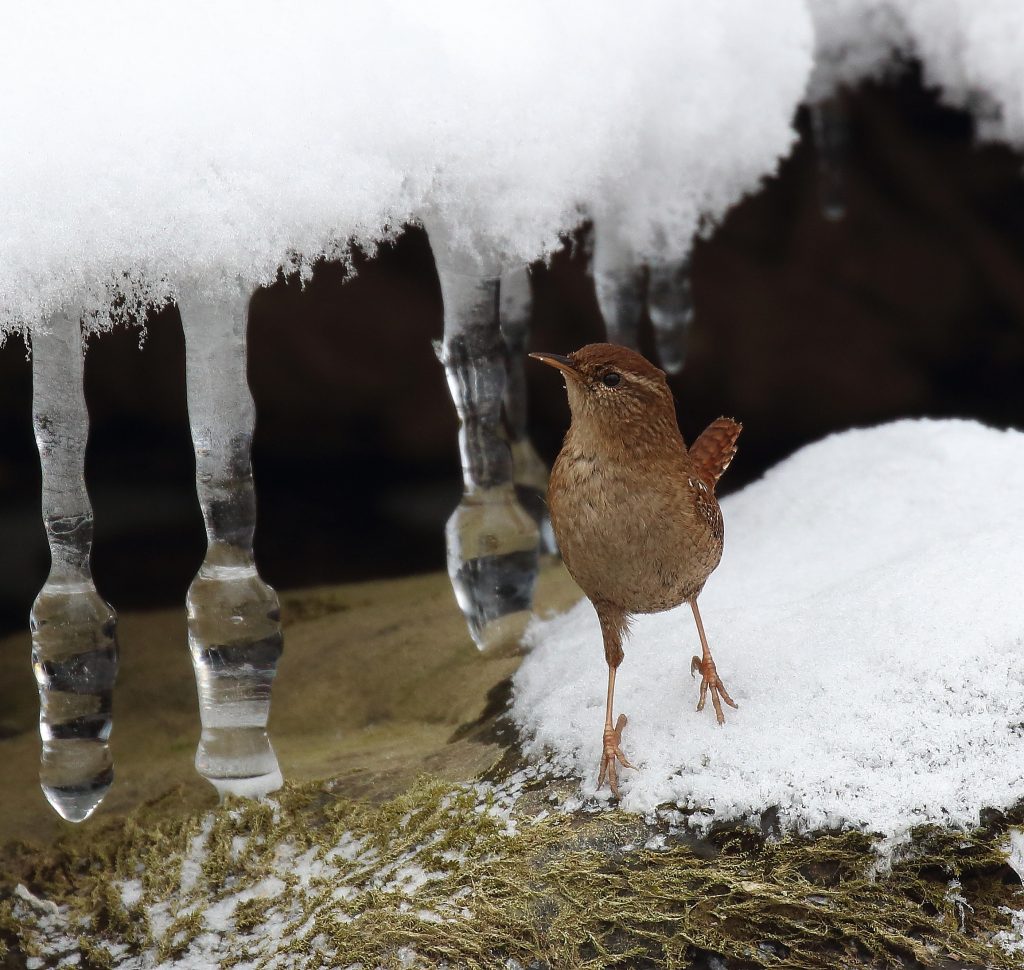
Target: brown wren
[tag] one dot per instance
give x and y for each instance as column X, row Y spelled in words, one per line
column 634, row 510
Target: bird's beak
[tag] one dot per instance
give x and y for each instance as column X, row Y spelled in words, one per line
column 564, row 364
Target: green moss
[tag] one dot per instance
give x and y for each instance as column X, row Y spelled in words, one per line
column 250, row 914
column 94, row 957
column 560, row 890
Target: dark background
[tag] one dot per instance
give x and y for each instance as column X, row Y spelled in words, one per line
column 913, row 304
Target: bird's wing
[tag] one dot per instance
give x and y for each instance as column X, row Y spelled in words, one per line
column 715, row 448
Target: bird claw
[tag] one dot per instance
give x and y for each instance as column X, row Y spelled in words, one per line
column 613, row 752
column 710, row 679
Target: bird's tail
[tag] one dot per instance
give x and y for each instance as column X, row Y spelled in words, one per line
column 712, row 452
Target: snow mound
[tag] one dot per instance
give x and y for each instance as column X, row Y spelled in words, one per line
column 865, row 620
column 207, row 143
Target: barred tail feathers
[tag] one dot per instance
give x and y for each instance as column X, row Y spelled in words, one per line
column 715, row 448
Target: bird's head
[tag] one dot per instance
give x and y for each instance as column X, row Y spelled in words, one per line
column 612, row 385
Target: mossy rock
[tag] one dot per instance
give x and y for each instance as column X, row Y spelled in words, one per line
column 414, row 834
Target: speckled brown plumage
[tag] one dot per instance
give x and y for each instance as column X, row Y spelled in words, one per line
column 633, row 509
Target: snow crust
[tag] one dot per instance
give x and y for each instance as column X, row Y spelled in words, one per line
column 865, row 619
column 145, row 148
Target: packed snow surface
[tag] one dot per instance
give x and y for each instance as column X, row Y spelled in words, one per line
column 145, row 146
column 865, row 617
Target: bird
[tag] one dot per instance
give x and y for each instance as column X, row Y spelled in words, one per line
column 634, row 510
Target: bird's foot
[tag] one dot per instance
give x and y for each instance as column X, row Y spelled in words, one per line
column 709, row 680
column 613, row 753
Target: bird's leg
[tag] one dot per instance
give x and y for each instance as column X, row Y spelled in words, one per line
column 612, row 742
column 612, row 628
column 709, row 673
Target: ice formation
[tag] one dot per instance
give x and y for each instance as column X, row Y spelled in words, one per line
column 530, row 474
column 221, row 145
column 619, row 284
column 670, row 305
column 194, row 153
column 648, row 217
column 494, row 536
column 862, row 620
column 627, row 287
column 74, row 632
column 234, row 619
column 830, row 130
column 855, row 41
column 705, row 146
column 647, row 202
column 492, row 542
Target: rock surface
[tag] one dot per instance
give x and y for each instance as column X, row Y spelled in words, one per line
column 413, row 833
column 375, row 679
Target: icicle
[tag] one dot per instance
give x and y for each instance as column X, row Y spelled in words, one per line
column 234, row 624
column 492, row 542
column 830, row 127
column 619, row 280
column 528, row 470
column 670, row 304
column 74, row 632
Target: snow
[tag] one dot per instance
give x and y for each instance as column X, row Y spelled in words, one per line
column 970, row 51
column 1015, row 852
column 192, row 864
column 973, row 51
column 148, row 150
column 1012, row 940
column 43, row 905
column 729, row 80
column 855, row 40
column 863, row 618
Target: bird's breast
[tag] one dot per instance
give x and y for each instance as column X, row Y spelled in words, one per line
column 633, row 534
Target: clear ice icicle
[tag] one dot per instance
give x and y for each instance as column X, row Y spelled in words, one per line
column 234, row 626
column 528, row 469
column 619, row 280
column 670, row 304
column 830, row 126
column 492, row 541
column 74, row 632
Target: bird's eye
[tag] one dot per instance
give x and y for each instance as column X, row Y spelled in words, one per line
column 611, row 379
